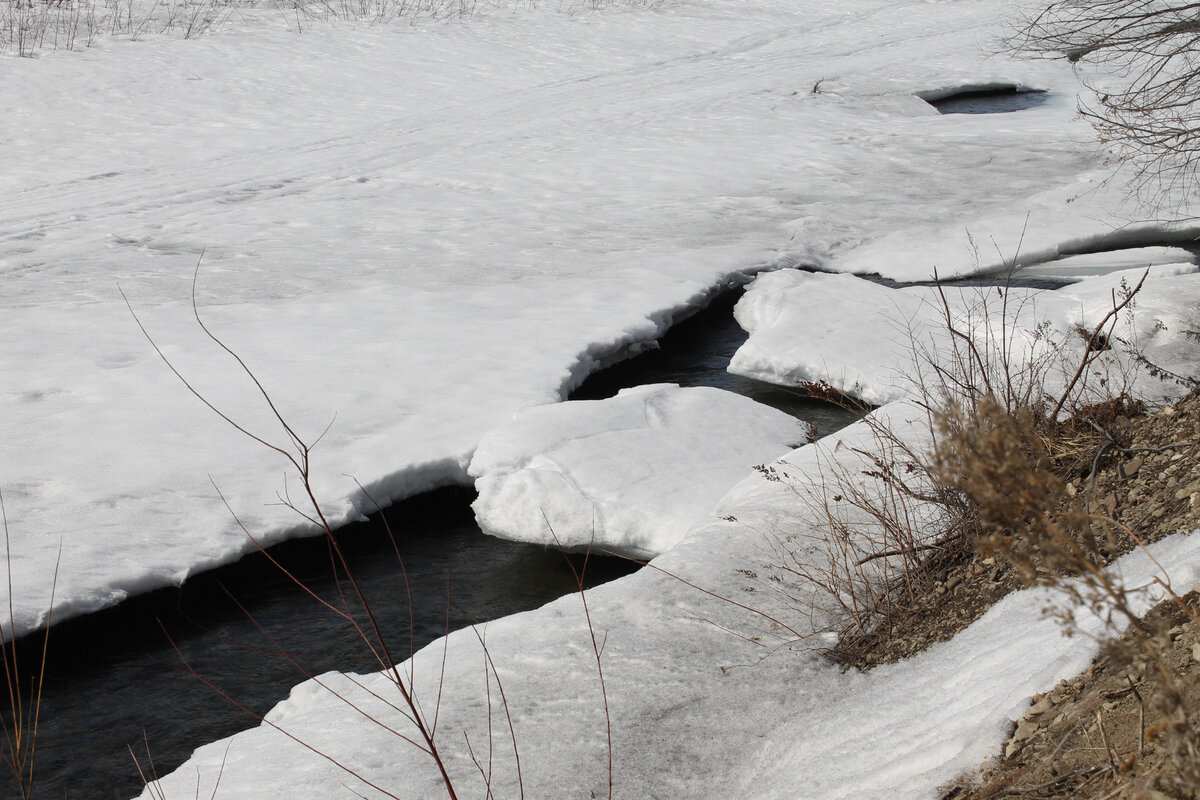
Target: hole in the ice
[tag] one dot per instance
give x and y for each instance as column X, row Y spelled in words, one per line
column 1070, row 267
column 985, row 99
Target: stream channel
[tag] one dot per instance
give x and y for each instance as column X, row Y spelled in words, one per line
column 114, row 680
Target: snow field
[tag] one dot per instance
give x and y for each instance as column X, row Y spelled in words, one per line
column 415, row 231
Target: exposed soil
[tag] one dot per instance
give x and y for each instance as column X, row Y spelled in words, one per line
column 1101, row 734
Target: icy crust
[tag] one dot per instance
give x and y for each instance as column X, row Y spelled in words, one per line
column 628, row 475
column 881, row 344
column 707, row 699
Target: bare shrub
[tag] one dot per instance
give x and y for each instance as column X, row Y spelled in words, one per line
column 1145, row 105
column 869, row 524
column 880, row 519
column 419, row 713
column 353, row 607
column 1027, row 514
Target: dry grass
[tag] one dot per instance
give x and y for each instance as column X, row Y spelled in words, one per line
column 21, row 711
column 1030, row 514
column 30, row 27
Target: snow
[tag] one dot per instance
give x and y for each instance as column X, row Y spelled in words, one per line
column 880, row 344
column 413, row 233
column 708, row 698
column 629, row 475
column 415, row 230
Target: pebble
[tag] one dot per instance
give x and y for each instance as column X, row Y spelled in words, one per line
column 1196, row 651
column 1131, row 467
column 1025, row 729
column 1041, row 706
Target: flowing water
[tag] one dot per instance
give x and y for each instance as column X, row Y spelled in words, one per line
column 127, row 677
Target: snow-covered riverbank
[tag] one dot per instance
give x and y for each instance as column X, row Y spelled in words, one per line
column 413, row 233
column 706, row 698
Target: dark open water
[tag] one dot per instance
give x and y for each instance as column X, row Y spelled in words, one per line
column 115, row 679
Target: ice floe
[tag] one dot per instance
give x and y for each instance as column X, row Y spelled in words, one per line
column 627, row 475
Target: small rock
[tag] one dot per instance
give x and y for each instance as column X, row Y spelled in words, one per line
column 1196, row 651
column 1185, row 492
column 1169, row 411
column 1131, row 467
column 1041, row 706
column 1025, row 729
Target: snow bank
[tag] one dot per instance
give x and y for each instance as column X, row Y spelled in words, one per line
column 628, row 475
column 881, row 344
column 707, row 699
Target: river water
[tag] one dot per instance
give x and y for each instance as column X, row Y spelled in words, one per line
column 117, row 680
